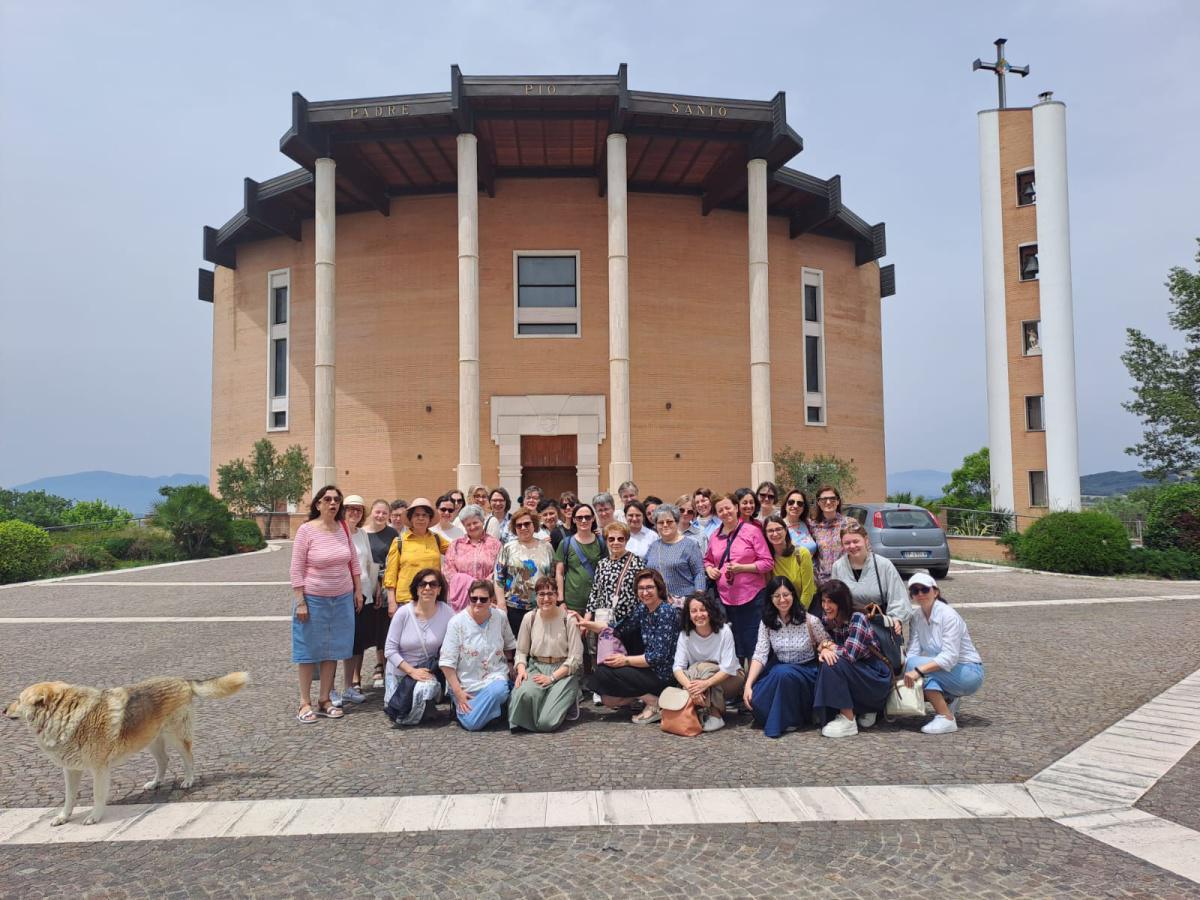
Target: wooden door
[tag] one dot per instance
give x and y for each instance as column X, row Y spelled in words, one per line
column 549, row 461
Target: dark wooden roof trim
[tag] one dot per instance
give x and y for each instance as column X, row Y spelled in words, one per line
column 887, row 280
column 726, row 182
column 280, row 222
column 819, row 213
column 872, row 249
column 284, row 184
column 215, row 253
column 541, row 85
column 686, row 106
column 401, row 106
column 205, row 286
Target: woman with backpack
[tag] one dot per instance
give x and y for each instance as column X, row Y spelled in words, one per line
column 855, row 676
column 576, row 560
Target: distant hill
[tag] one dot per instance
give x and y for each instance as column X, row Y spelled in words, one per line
column 926, row 482
column 136, row 493
column 1108, row 484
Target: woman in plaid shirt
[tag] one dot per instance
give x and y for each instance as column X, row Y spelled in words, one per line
column 853, row 674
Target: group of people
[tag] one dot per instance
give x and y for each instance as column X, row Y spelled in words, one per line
column 743, row 600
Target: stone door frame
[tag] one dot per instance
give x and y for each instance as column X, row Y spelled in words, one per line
column 582, row 415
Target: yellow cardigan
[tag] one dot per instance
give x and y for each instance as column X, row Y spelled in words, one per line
column 414, row 554
column 798, row 568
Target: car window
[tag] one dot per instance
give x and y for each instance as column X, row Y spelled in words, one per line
column 857, row 512
column 909, row 518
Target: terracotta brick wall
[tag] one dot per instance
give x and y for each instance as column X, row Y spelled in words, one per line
column 397, row 349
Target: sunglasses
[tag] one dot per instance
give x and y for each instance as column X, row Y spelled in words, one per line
column 331, row 499
column 583, row 517
column 765, row 496
column 919, row 589
column 446, row 509
column 525, row 524
column 795, row 503
column 430, row 584
column 615, row 539
column 827, row 499
column 480, row 601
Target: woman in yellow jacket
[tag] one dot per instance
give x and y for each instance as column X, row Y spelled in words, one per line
column 417, row 549
column 791, row 562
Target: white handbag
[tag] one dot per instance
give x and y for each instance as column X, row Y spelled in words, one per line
column 904, row 702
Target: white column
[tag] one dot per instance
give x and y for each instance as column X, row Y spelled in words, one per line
column 324, row 427
column 995, row 325
column 469, row 472
column 762, row 466
column 620, row 463
column 510, row 465
column 1054, row 289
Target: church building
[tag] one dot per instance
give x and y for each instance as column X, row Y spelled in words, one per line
column 550, row 279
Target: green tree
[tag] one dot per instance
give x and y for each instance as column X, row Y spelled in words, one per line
column 270, row 480
column 914, row 499
column 97, row 512
column 795, row 470
column 199, row 523
column 970, row 484
column 35, row 507
column 1167, row 385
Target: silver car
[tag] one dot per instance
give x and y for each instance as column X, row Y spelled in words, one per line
column 910, row 536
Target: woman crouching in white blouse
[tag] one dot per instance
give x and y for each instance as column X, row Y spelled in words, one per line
column 941, row 651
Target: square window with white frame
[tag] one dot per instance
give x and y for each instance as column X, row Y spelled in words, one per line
column 546, row 293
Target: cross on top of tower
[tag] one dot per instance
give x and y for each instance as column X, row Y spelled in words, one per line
column 1001, row 67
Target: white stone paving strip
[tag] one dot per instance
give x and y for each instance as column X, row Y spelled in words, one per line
column 572, row 809
column 1165, row 844
column 272, row 547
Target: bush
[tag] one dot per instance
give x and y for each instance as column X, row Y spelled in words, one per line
column 1174, row 563
column 67, row 559
column 1078, row 543
column 98, row 514
column 199, row 523
column 24, row 551
column 118, row 545
column 246, row 536
column 153, row 545
column 1173, row 522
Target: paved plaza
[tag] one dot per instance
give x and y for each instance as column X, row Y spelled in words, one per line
column 1074, row 771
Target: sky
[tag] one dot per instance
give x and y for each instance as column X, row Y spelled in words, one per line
column 125, row 127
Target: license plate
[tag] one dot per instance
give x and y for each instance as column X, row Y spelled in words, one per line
column 916, row 554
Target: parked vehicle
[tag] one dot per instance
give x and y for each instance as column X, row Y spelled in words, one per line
column 910, row 536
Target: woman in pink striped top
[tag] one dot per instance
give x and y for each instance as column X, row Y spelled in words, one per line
column 326, row 580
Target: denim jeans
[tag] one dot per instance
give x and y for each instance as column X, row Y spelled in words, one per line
column 961, row 681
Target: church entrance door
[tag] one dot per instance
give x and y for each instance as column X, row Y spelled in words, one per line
column 550, row 462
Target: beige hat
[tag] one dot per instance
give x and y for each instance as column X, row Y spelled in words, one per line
column 417, row 504
column 354, row 500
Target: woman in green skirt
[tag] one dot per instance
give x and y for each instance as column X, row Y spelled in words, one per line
column 549, row 657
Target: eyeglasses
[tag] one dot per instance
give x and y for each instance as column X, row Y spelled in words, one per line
column 553, row 594
column 524, row 524
column 919, row 589
column 480, row 601
column 616, row 539
column 827, row 499
column 429, row 584
column 763, row 495
column 646, row 588
column 583, row 517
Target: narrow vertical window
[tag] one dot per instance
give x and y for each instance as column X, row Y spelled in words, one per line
column 1034, row 414
column 1037, row 489
column 1027, row 259
column 813, row 288
column 1031, row 337
column 1026, row 188
column 278, row 344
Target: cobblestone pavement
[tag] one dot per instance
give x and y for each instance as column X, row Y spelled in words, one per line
column 1177, row 795
column 987, row 859
column 1056, row 676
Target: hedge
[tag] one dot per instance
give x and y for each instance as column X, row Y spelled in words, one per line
column 24, row 551
column 245, row 536
column 1173, row 521
column 1077, row 543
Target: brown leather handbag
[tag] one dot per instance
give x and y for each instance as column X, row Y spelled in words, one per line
column 679, row 714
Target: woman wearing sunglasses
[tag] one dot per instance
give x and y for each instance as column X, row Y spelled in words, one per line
column 795, row 515
column 768, row 498
column 826, row 527
column 940, row 651
column 475, row 659
column 520, row 563
column 576, row 560
column 414, row 640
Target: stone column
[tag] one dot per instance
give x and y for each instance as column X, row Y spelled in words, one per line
column 324, row 427
column 620, row 462
column 469, row 471
column 762, row 466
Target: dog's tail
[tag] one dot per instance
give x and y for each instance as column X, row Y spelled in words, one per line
column 216, row 688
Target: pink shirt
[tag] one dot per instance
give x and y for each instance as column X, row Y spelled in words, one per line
column 323, row 564
column 750, row 546
column 476, row 560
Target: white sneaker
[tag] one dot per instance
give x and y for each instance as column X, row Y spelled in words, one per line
column 596, row 701
column 714, row 723
column 335, row 698
column 840, row 727
column 939, row 725
column 867, row 720
column 353, row 694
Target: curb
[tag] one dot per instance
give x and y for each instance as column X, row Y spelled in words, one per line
column 272, row 547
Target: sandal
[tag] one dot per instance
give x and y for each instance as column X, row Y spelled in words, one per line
column 328, row 711
column 306, row 716
column 647, row 716
column 377, row 680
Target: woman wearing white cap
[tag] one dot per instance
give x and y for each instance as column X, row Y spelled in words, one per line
column 941, row 651
column 417, row 549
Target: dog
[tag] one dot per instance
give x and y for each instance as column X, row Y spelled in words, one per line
column 84, row 728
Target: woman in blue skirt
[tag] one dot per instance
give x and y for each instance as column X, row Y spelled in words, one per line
column 854, row 675
column 783, row 670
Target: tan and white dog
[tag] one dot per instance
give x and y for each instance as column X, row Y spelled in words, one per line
column 84, row 728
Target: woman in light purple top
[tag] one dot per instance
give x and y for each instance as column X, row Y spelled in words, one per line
column 739, row 561
column 678, row 559
column 413, row 643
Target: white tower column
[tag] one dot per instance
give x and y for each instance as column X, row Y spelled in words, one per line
column 469, row 471
column 995, row 325
column 762, row 466
column 324, row 427
column 1058, row 320
column 620, row 461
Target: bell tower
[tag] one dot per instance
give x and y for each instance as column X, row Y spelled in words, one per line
column 1029, row 329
